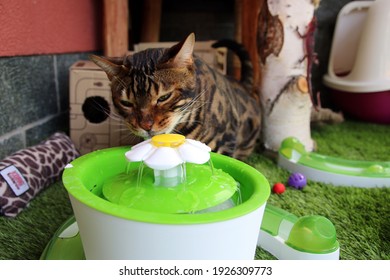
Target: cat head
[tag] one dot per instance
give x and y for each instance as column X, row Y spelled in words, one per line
column 152, row 89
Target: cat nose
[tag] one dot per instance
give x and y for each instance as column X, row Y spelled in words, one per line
column 146, row 124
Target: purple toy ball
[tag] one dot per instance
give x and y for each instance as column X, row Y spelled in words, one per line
column 297, row 180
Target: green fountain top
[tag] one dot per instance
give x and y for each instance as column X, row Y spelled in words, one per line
column 173, row 175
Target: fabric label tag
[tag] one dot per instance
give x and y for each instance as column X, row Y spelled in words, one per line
column 15, row 180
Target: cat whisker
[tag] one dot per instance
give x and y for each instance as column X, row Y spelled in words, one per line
column 188, row 122
column 129, row 138
column 199, row 103
column 115, row 116
column 192, row 105
column 102, row 108
column 120, row 81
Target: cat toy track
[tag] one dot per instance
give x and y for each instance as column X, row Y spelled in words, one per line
column 336, row 171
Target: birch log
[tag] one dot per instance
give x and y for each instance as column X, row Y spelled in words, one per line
column 285, row 91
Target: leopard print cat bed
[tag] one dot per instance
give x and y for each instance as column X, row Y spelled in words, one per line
column 26, row 172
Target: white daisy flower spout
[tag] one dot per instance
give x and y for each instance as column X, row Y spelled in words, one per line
column 167, row 154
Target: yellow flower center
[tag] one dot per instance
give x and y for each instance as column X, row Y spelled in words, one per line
column 168, row 140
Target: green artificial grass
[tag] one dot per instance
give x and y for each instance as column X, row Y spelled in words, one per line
column 25, row 236
column 361, row 215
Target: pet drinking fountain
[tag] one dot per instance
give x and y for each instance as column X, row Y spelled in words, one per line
column 165, row 198
column 359, row 65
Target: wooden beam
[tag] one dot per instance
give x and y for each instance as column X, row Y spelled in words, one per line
column 115, row 27
column 250, row 12
column 151, row 21
column 237, row 37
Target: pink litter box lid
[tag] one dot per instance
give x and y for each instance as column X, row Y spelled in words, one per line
column 371, row 107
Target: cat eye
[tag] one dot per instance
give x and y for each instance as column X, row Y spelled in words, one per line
column 126, row 103
column 164, row 98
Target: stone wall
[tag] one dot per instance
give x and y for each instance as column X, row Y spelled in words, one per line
column 34, row 98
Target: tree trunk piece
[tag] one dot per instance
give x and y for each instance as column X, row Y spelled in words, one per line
column 286, row 101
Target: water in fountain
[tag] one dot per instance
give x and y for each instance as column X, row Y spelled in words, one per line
column 201, row 187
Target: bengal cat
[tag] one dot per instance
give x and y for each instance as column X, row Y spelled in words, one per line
column 173, row 91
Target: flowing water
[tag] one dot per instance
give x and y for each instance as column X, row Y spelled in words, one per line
column 139, row 175
column 203, row 188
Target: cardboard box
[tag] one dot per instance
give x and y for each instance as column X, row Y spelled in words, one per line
column 94, row 123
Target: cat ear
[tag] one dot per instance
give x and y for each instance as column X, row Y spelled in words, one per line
column 184, row 56
column 180, row 55
column 112, row 66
